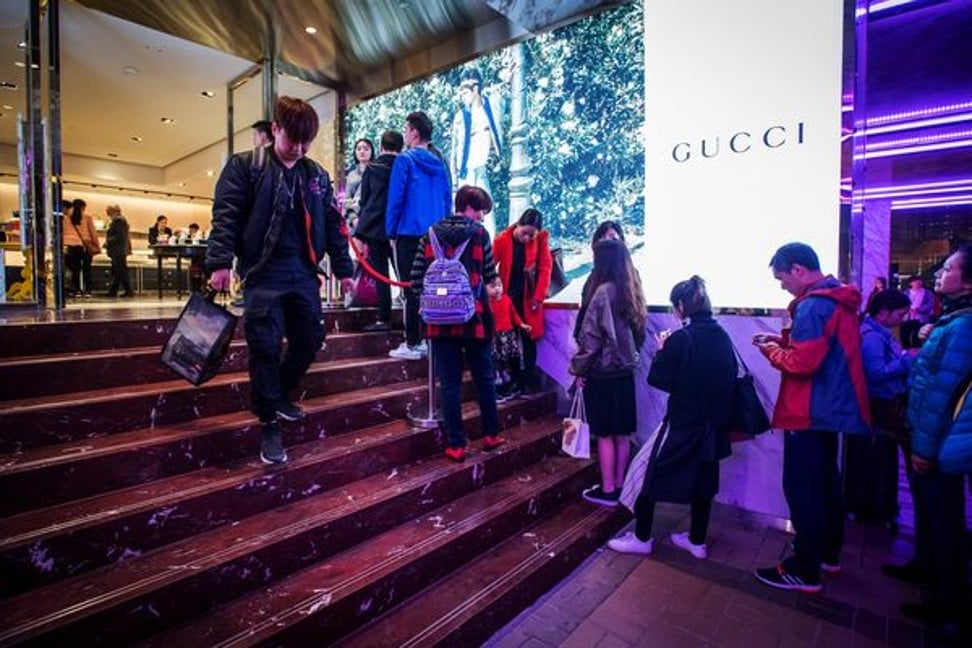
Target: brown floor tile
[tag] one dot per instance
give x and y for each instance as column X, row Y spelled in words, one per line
column 585, row 635
column 665, row 635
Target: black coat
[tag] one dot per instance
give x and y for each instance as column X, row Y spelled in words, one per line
column 697, row 367
column 248, row 208
column 117, row 241
column 373, row 198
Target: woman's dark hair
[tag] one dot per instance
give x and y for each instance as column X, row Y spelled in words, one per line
column 887, row 300
column 475, row 197
column 298, row 119
column 965, row 261
column 612, row 264
column 532, row 218
column 77, row 210
column 371, row 146
column 690, row 296
column 603, row 229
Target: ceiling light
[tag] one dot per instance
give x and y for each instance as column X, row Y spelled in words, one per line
column 112, row 155
column 6, row 85
column 7, row 107
column 167, row 120
column 210, row 173
column 136, row 139
column 183, row 184
column 310, row 30
column 208, row 93
column 20, row 64
column 130, row 69
column 22, row 45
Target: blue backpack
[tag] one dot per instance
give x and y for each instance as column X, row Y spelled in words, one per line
column 447, row 295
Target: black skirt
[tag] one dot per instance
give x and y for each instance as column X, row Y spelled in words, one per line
column 610, row 405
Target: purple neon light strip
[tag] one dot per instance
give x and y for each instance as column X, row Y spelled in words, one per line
column 924, row 148
column 922, row 139
column 884, row 5
column 949, row 202
column 920, row 113
column 906, row 193
column 919, row 123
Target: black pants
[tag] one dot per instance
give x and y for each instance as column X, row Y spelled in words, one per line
column 448, row 355
column 405, row 249
column 871, row 477
column 527, row 379
column 280, row 304
column 78, row 261
column 379, row 255
column 811, row 484
column 701, row 509
column 119, row 276
column 940, row 534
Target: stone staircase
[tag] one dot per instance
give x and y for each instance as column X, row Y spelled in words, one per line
column 136, row 512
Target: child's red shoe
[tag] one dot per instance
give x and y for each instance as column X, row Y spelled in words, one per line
column 492, row 442
column 456, row 454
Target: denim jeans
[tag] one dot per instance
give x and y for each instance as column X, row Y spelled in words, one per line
column 448, row 355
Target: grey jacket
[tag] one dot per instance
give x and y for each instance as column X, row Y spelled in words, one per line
column 606, row 343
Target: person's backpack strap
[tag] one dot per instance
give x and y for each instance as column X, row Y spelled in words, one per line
column 437, row 247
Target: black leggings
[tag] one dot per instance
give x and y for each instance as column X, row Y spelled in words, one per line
column 699, row 527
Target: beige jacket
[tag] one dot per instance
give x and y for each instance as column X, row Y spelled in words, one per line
column 607, row 344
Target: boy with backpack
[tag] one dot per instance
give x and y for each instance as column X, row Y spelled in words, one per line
column 452, row 268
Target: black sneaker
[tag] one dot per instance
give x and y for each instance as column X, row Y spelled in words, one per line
column 597, row 495
column 271, row 447
column 781, row 579
column 288, row 411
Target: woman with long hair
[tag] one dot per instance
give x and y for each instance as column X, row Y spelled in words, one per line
column 697, row 366
column 364, row 153
column 522, row 253
column 80, row 244
column 611, row 335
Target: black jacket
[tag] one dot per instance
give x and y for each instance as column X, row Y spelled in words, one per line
column 117, row 241
column 248, row 201
column 373, row 199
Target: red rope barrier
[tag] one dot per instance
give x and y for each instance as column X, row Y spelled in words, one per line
column 364, row 264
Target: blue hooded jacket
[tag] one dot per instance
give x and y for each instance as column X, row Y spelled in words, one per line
column 419, row 193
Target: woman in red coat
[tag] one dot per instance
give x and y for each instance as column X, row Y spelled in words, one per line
column 522, row 254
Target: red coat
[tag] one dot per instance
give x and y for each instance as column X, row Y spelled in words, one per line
column 504, row 314
column 537, row 254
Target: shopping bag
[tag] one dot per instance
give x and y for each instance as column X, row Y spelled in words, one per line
column 634, row 479
column 365, row 291
column 748, row 417
column 200, row 339
column 577, row 433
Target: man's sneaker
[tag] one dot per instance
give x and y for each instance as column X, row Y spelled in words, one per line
column 596, row 495
column 831, row 567
column 405, row 352
column 492, row 442
column 377, row 326
column 781, row 579
column 681, row 540
column 456, row 454
column 271, row 447
column 288, row 411
column 629, row 543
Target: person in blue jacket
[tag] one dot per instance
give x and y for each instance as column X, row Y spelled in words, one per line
column 940, row 416
column 419, row 194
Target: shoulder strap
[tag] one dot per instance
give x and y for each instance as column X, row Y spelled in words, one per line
column 437, row 246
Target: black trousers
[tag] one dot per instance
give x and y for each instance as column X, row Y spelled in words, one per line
column 379, row 255
column 280, row 304
column 449, row 354
column 119, row 276
column 940, row 534
column 701, row 510
column 405, row 249
column 811, row 485
column 78, row 261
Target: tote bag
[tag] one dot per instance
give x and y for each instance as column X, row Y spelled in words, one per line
column 634, row 479
column 200, row 340
column 576, row 439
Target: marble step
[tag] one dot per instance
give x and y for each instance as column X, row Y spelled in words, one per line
column 62, row 373
column 332, row 598
column 479, row 598
column 103, row 330
column 42, row 546
column 32, row 423
column 53, row 474
column 140, row 597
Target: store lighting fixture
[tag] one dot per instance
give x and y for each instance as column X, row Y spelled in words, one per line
column 167, row 120
column 22, row 45
column 20, row 64
column 208, row 94
column 210, row 173
column 920, row 113
column 921, row 148
column 7, row 107
column 919, row 123
column 310, row 30
column 136, row 139
column 945, row 201
column 882, row 5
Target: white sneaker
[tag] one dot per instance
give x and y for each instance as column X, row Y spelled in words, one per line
column 422, row 347
column 405, row 352
column 629, row 543
column 681, row 540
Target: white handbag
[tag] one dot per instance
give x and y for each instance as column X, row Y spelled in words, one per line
column 577, row 433
column 634, row 479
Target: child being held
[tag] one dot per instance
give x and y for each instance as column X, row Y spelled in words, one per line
column 506, row 341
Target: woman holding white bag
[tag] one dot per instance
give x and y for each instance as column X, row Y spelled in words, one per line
column 610, row 336
column 696, row 365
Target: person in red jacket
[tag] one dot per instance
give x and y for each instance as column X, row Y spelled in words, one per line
column 506, row 341
column 522, row 253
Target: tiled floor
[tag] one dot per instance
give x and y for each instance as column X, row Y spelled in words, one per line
column 670, row 599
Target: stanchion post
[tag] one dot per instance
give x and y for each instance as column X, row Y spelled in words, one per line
column 429, row 421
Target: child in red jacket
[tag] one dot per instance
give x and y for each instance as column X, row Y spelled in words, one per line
column 507, row 360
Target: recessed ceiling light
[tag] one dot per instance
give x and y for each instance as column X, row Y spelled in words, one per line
column 183, row 184
column 167, row 120
column 6, row 85
column 130, row 69
column 7, row 107
column 208, row 93
column 210, row 173
column 112, row 155
column 136, row 139
column 20, row 64
column 310, row 30
column 22, row 45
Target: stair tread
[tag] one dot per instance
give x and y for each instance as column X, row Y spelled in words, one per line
column 53, row 606
column 433, row 615
column 69, row 517
column 348, row 575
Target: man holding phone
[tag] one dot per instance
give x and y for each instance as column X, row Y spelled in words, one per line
column 822, row 393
